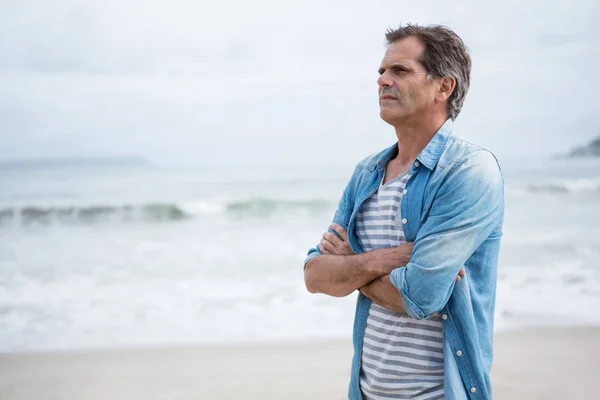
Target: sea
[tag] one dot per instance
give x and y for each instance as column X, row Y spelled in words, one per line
column 136, row 256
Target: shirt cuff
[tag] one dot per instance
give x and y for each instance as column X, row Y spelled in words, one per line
column 311, row 254
column 398, row 279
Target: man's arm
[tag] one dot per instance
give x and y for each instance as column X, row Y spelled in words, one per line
column 468, row 208
column 340, row 275
column 382, row 292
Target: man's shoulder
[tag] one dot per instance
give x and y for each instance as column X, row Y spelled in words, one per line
column 460, row 151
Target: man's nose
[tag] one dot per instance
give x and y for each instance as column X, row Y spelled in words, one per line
column 384, row 80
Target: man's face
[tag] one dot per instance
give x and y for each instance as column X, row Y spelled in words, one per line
column 405, row 91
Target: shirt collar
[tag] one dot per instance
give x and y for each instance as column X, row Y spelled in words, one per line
column 431, row 154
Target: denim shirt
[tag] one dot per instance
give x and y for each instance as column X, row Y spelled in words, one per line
column 454, row 210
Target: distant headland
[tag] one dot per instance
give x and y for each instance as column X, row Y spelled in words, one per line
column 590, row 150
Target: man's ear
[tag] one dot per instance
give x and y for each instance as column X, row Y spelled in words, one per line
column 447, row 85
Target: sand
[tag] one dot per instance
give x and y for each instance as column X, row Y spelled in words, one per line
column 547, row 363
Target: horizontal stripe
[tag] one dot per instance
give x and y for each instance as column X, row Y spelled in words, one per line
column 417, row 349
column 377, row 218
column 414, row 389
column 401, row 367
column 406, row 322
column 373, row 372
column 382, row 237
column 373, row 349
column 381, row 310
column 402, row 339
column 389, row 327
column 374, row 208
column 394, row 198
column 418, row 390
column 406, row 385
column 385, row 331
column 395, row 325
column 376, row 221
column 379, row 244
column 374, row 234
column 402, row 342
column 407, row 381
column 365, row 228
column 410, row 364
column 388, row 226
column 391, row 207
column 394, row 374
column 391, row 190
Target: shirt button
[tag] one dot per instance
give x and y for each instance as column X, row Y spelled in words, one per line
column 473, row 390
column 404, row 191
column 417, row 164
column 459, row 353
column 404, row 221
column 444, row 317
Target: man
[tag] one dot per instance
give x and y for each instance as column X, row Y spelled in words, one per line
column 424, row 317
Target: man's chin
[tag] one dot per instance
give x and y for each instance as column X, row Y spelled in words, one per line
column 387, row 115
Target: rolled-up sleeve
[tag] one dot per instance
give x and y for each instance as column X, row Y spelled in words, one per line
column 468, row 207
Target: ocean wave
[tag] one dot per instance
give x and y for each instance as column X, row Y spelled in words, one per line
column 90, row 214
column 267, row 207
column 568, row 186
column 156, row 212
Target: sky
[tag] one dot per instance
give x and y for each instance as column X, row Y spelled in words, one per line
column 270, row 82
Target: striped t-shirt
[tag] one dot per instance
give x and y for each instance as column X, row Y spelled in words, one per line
column 402, row 357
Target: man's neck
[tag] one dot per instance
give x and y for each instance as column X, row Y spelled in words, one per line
column 414, row 135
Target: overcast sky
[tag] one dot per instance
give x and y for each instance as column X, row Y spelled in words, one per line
column 273, row 81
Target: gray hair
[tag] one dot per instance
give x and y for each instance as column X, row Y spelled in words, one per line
column 445, row 54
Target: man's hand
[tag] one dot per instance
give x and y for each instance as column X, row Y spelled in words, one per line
column 331, row 244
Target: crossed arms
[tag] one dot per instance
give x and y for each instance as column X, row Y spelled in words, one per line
column 339, row 272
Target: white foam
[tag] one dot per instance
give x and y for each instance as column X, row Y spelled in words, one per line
column 205, row 207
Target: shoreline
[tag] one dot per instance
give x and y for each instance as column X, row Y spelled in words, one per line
column 534, row 363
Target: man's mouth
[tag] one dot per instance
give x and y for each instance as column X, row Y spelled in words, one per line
column 387, row 97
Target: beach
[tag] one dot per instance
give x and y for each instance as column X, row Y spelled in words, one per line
column 540, row 363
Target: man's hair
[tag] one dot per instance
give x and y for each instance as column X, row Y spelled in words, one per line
column 445, row 54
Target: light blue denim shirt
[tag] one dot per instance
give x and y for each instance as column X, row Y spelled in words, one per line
column 454, row 210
